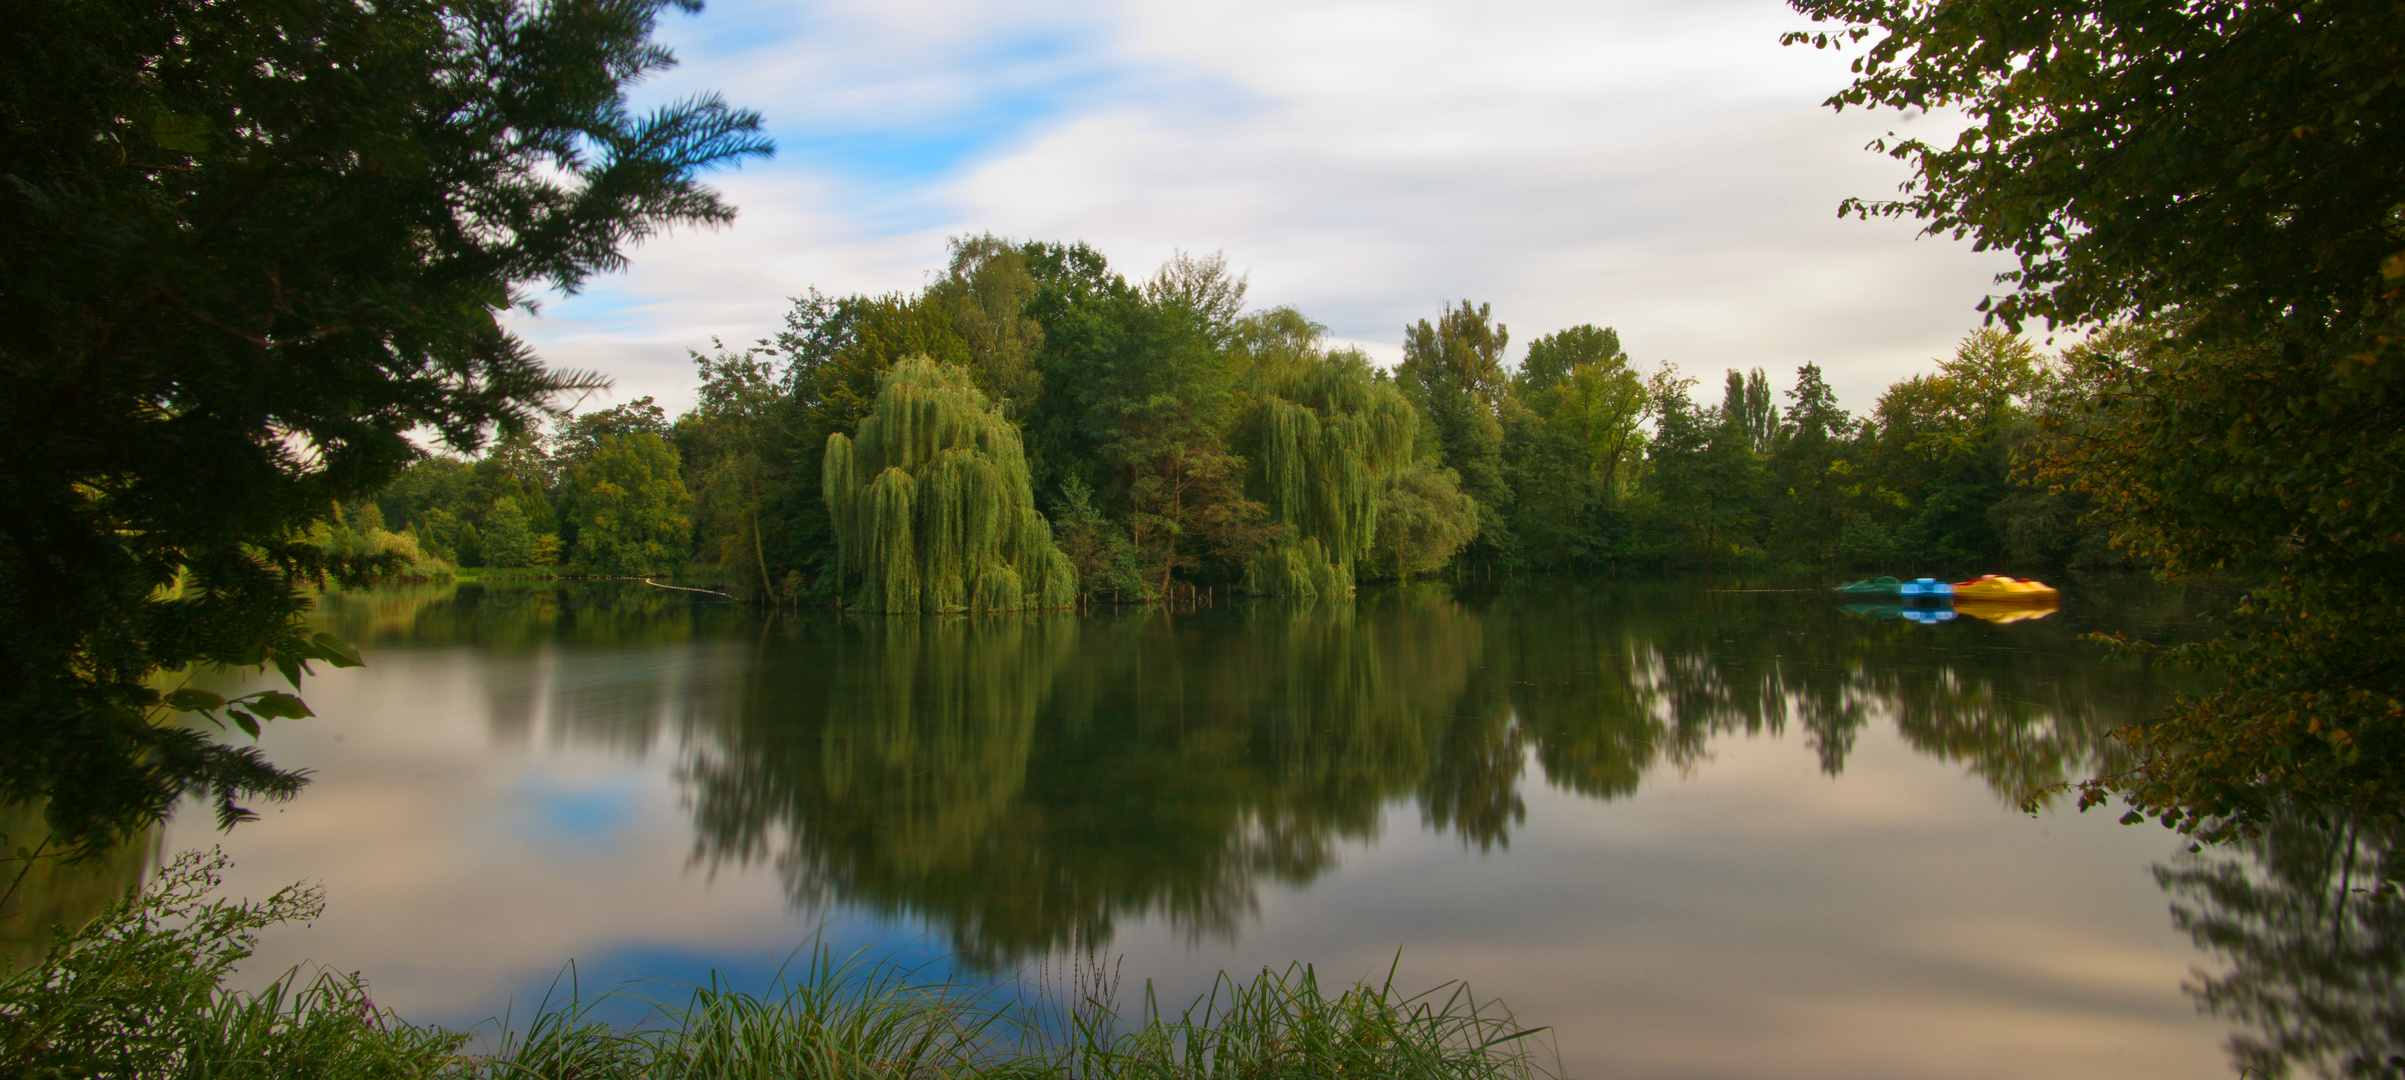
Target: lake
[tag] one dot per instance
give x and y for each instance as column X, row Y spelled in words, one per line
column 1697, row 831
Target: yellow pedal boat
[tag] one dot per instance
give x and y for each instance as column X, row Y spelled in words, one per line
column 1998, row 589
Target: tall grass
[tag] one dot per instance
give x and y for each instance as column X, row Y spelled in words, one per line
column 139, row 994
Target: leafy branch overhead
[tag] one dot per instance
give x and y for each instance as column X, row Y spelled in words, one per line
column 2211, row 189
column 253, row 246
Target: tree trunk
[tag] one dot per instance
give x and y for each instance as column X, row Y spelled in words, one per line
column 768, row 589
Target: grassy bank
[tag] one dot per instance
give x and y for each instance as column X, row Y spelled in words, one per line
column 140, row 993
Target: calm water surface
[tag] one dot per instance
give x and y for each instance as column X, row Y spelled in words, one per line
column 1697, row 832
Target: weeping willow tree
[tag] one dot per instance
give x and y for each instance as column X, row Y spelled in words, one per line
column 931, row 504
column 1331, row 440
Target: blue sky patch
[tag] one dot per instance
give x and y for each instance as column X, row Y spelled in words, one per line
column 623, row 983
column 583, row 815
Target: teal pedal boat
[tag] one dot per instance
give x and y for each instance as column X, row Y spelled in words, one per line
column 1919, row 589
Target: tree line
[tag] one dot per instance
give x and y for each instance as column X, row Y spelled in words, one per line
column 1171, row 439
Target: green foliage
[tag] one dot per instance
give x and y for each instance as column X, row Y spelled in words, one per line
column 138, row 992
column 1452, row 373
column 2236, row 162
column 1702, row 467
column 1576, row 442
column 1205, row 445
column 2226, row 174
column 252, row 246
column 629, row 507
column 507, row 541
column 432, row 484
column 579, row 436
column 985, row 294
column 931, row 502
column 1559, row 519
column 1202, row 287
column 1601, row 406
column 444, row 536
column 1096, row 547
column 1141, row 397
column 1553, row 357
column 1329, row 440
column 1281, row 1024
column 2228, row 461
column 1807, row 473
column 1941, row 444
column 1298, row 568
column 1747, row 408
column 737, row 448
column 835, row 352
column 838, row 350
column 357, row 534
column 41, row 886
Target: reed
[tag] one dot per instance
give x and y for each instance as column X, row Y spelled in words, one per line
column 139, row 994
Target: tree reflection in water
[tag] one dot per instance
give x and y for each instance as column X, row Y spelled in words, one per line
column 1025, row 781
column 49, row 890
column 2313, row 931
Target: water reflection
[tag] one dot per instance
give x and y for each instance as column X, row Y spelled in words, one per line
column 1930, row 614
column 587, row 657
column 1925, row 614
column 1028, row 782
column 2313, row 931
column 51, row 891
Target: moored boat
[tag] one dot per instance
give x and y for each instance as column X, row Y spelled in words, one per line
column 1999, row 589
column 1917, row 589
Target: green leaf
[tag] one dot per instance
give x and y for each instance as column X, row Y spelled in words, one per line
column 184, row 134
column 246, row 722
column 334, row 650
column 277, row 705
column 191, row 700
column 289, row 666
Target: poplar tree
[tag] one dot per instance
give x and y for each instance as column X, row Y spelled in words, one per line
column 1453, row 373
column 931, row 505
column 985, row 294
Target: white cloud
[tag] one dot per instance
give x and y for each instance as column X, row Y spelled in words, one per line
column 1664, row 168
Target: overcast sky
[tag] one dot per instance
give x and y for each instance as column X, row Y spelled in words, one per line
column 1662, row 167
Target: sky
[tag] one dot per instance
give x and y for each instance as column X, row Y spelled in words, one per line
column 1664, row 168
